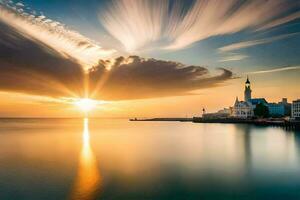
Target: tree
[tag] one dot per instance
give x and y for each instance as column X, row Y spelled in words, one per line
column 261, row 111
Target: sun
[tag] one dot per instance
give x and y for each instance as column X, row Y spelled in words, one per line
column 86, row 104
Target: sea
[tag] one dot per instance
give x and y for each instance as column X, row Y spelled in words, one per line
column 116, row 159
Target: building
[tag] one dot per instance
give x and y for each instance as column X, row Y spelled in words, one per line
column 280, row 109
column 245, row 109
column 288, row 107
column 216, row 115
column 224, row 113
column 227, row 111
column 276, row 109
column 242, row 109
column 256, row 101
column 296, row 109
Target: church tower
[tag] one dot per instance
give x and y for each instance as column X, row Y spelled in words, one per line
column 247, row 93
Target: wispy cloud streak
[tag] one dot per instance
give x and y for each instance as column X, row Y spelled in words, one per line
column 280, row 21
column 52, row 33
column 138, row 23
column 276, row 70
column 234, row 57
column 246, row 44
column 135, row 23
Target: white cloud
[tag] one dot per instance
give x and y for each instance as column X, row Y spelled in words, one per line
column 138, row 23
column 134, row 23
column 56, row 35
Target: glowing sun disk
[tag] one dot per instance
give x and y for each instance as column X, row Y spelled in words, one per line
column 86, row 104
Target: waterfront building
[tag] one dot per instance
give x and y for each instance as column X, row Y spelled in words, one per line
column 215, row 115
column 288, row 107
column 280, row 109
column 224, row 113
column 256, row 101
column 276, row 109
column 242, row 109
column 245, row 109
column 227, row 111
column 296, row 109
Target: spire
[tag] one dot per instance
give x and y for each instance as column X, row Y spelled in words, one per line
column 247, row 81
column 247, row 92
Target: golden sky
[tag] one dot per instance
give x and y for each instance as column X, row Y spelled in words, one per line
column 213, row 99
column 168, row 62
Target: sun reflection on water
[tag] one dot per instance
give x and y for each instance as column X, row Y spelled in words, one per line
column 88, row 178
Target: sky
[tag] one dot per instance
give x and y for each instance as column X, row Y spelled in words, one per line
column 145, row 58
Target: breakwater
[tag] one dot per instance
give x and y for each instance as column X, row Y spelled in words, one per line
column 288, row 125
column 176, row 119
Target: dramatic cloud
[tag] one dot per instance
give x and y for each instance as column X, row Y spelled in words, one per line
column 172, row 25
column 36, row 59
column 246, row 44
column 135, row 77
column 281, row 69
column 67, row 42
column 29, row 66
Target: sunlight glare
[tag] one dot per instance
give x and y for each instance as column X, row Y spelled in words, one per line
column 88, row 180
column 86, row 104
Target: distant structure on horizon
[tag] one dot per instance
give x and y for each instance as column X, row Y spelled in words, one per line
column 245, row 109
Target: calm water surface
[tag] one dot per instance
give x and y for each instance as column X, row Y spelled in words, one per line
column 89, row 159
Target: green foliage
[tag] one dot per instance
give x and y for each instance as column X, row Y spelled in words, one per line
column 261, row 111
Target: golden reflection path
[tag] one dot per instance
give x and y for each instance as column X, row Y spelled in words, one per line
column 88, row 180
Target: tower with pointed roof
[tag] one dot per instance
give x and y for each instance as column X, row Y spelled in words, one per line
column 247, row 92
